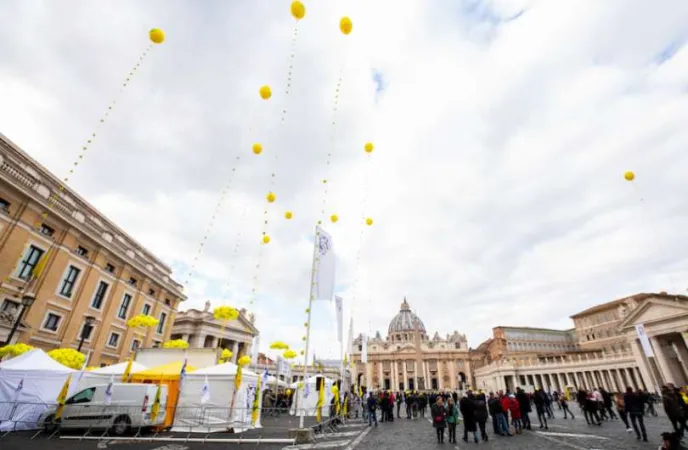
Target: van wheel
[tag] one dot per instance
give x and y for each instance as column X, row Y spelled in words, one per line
column 50, row 424
column 121, row 426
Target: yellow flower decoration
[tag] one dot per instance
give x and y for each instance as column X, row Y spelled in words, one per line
column 175, row 343
column 225, row 313
column 226, row 355
column 265, row 92
column 257, row 148
column 345, row 25
column 279, row 345
column 142, row 321
column 297, row 10
column 14, row 349
column 68, row 357
column 244, row 361
column 369, row 221
column 156, row 35
column 369, row 147
column 289, row 354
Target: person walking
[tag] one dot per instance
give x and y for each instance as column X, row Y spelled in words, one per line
column 494, row 405
column 565, row 406
column 621, row 410
column 372, row 406
column 635, row 407
column 480, row 406
column 524, row 406
column 452, row 419
column 607, row 402
column 673, row 406
column 439, row 418
column 539, row 400
column 467, row 408
column 515, row 411
column 399, row 399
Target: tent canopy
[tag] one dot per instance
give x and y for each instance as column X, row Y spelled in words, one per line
column 169, row 371
column 228, row 368
column 118, row 369
column 35, row 359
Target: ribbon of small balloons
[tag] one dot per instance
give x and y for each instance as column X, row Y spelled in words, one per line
column 156, row 36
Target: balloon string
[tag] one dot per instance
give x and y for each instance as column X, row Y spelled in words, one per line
column 330, row 148
column 53, row 198
column 364, row 203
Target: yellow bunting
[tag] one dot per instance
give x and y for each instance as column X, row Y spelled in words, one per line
column 345, row 25
column 265, row 92
column 369, row 221
column 369, row 147
column 288, row 215
column 271, row 197
column 257, row 148
column 266, row 239
column 298, row 10
column 629, row 176
column 334, row 218
column 157, row 36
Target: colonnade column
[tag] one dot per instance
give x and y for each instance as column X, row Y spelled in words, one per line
column 405, row 375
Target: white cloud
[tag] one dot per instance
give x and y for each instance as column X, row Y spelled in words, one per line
column 496, row 185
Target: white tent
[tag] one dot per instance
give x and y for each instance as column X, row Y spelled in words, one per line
column 103, row 375
column 41, row 379
column 194, row 415
column 271, row 383
column 309, row 403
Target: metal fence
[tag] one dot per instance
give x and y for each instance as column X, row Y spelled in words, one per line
column 191, row 423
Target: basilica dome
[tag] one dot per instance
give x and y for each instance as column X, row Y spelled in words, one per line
column 405, row 321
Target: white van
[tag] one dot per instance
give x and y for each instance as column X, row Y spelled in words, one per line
column 130, row 408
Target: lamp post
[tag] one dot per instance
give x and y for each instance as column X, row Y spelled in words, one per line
column 26, row 301
column 88, row 325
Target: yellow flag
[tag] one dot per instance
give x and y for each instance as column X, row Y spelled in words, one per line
column 62, row 398
column 40, row 265
column 345, row 408
column 127, row 371
column 321, row 400
column 237, row 378
column 256, row 404
column 337, row 402
column 346, row 360
column 155, row 409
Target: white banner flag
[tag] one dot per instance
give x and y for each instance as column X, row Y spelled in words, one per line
column 254, row 351
column 338, row 302
column 323, row 266
column 205, row 391
column 108, row 391
column 364, row 348
column 644, row 340
column 350, row 342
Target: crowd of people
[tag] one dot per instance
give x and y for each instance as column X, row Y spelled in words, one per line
column 510, row 411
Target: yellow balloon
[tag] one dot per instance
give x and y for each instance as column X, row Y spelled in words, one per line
column 270, row 197
column 334, row 218
column 288, row 215
column 288, row 391
column 345, row 25
column 266, row 239
column 298, row 10
column 629, row 176
column 257, row 148
column 369, row 147
column 369, row 221
column 265, row 92
column 156, row 35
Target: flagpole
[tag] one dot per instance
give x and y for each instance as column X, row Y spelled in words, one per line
column 308, row 328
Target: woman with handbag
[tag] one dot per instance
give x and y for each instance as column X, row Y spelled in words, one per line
column 439, row 419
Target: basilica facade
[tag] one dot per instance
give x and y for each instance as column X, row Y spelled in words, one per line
column 409, row 359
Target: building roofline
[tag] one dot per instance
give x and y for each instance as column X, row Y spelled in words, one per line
column 550, row 330
column 639, row 297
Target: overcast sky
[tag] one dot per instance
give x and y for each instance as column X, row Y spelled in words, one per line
column 502, row 131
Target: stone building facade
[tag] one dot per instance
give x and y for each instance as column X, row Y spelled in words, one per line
column 93, row 269
column 409, row 358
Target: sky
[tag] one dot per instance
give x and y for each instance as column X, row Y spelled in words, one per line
column 502, row 131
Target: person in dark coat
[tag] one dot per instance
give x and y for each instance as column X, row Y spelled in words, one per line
column 481, row 414
column 439, row 418
column 607, row 402
column 467, row 408
column 673, row 406
column 539, row 401
column 635, row 407
column 371, row 404
column 524, row 406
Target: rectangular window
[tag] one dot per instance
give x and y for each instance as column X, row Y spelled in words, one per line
column 99, row 297
column 133, row 281
column 161, row 323
column 109, row 268
column 28, row 262
column 168, row 302
column 151, row 292
column 146, row 309
column 9, row 306
column 135, row 344
column 52, row 321
column 81, row 251
column 86, row 331
column 4, row 205
column 47, row 231
column 114, row 340
column 124, row 307
column 67, row 287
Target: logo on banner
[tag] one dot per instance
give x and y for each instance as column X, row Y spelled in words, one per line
column 324, row 244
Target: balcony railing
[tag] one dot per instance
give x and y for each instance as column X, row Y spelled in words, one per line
column 568, row 361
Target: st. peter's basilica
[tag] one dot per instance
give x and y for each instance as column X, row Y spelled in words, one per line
column 407, row 358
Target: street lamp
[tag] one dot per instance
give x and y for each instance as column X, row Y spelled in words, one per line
column 86, row 330
column 26, row 301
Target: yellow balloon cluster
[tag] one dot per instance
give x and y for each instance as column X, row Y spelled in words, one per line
column 298, row 10
column 345, row 25
column 14, row 349
column 142, row 321
column 226, row 355
column 289, row 354
column 288, row 215
column 156, row 35
column 265, row 92
column 369, row 147
column 257, row 148
column 244, row 361
column 629, row 176
column 279, row 345
column 334, row 218
column 68, row 357
column 225, row 313
column 271, row 197
column 175, row 343
column 266, row 239
column 369, row 221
